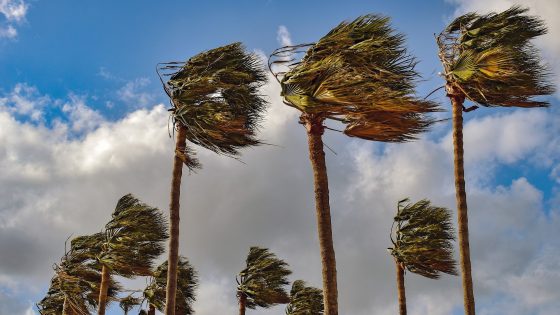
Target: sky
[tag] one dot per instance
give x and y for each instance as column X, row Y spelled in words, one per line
column 84, row 121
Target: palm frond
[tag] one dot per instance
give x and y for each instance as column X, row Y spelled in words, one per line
column 490, row 58
column 305, row 300
column 358, row 70
column 215, row 96
column 128, row 302
column 423, row 239
column 263, row 280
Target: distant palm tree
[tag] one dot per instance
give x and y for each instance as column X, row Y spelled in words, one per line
column 74, row 289
column 305, row 300
column 422, row 243
column 262, row 281
column 359, row 75
column 216, row 105
column 129, row 302
column 128, row 245
column 488, row 59
column 187, row 282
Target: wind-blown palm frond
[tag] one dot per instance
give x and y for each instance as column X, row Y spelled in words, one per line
column 359, row 74
column 215, row 96
column 187, row 283
column 129, row 302
column 263, row 280
column 423, row 239
column 305, row 300
column 490, row 59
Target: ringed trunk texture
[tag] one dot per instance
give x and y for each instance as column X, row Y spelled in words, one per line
column 315, row 131
column 173, row 257
column 457, row 99
column 103, row 289
column 242, row 303
column 400, row 288
column 152, row 310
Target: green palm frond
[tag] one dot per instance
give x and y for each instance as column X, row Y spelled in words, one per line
column 215, row 96
column 423, row 239
column 490, row 58
column 187, row 283
column 360, row 74
column 263, row 280
column 305, row 300
column 129, row 302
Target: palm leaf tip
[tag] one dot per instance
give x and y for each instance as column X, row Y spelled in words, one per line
column 422, row 239
column 491, row 60
column 361, row 74
column 216, row 97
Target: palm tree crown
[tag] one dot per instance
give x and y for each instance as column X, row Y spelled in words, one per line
column 490, row 60
column 128, row 302
column 361, row 75
column 423, row 239
column 187, row 282
column 263, row 280
column 215, row 96
column 305, row 300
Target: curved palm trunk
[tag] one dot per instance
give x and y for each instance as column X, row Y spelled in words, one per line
column 400, row 288
column 242, row 303
column 173, row 257
column 457, row 100
column 103, row 289
column 315, row 129
column 152, row 310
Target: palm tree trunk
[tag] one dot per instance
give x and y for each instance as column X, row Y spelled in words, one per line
column 242, row 302
column 103, row 289
column 151, row 310
column 457, row 99
column 400, row 288
column 173, row 257
column 315, row 129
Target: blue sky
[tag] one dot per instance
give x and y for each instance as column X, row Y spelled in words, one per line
column 81, row 124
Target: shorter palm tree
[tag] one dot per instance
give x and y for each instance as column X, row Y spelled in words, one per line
column 305, row 300
column 129, row 302
column 127, row 247
column 187, row 282
column 422, row 243
column 262, row 281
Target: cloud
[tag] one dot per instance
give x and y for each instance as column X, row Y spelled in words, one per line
column 131, row 93
column 13, row 11
column 283, row 36
column 25, row 100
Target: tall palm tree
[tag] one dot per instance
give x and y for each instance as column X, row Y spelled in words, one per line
column 187, row 282
column 130, row 242
column 360, row 75
column 129, row 302
column 489, row 60
column 215, row 104
column 422, row 243
column 305, row 300
column 261, row 283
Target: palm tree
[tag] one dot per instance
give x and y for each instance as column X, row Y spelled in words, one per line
column 187, row 283
column 359, row 75
column 422, row 243
column 215, row 104
column 132, row 239
column 74, row 289
column 128, row 302
column 305, row 300
column 262, row 281
column 489, row 60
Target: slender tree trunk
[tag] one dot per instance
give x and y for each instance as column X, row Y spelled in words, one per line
column 457, row 99
column 103, row 289
column 400, row 288
column 151, row 310
column 242, row 303
column 315, row 129
column 173, row 257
